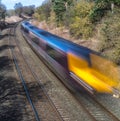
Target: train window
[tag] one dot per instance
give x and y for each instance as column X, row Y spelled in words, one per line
column 51, row 52
column 42, row 44
column 25, row 30
column 34, row 39
column 57, row 55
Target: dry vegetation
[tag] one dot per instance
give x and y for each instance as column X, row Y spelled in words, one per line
column 13, row 19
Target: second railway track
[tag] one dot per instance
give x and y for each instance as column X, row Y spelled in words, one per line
column 40, row 103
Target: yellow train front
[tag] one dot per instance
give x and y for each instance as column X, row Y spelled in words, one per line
column 95, row 73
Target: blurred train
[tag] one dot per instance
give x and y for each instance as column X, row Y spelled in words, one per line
column 78, row 67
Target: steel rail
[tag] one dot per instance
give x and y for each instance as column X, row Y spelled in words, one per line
column 21, row 76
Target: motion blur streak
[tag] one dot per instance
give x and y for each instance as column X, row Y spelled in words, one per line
column 100, row 74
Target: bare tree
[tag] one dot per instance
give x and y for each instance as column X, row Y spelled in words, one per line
column 2, row 11
column 2, row 15
column 18, row 8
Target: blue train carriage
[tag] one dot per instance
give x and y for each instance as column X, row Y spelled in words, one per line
column 70, row 61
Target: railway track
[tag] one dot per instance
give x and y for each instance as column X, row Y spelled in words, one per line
column 13, row 101
column 96, row 109
column 85, row 107
column 41, row 105
column 110, row 103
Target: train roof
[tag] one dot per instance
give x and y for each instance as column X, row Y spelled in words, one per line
column 58, row 42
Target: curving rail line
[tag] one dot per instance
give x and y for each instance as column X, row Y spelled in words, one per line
column 95, row 108
column 37, row 116
column 12, row 32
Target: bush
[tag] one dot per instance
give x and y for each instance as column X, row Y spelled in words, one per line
column 80, row 25
column 110, row 36
column 99, row 10
column 81, row 28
